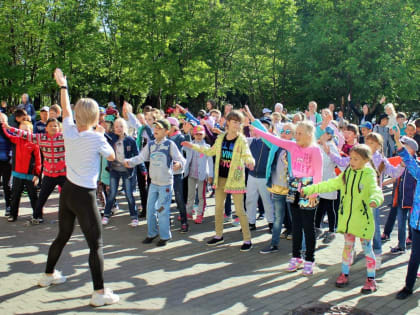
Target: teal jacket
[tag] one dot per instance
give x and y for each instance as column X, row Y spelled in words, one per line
column 355, row 216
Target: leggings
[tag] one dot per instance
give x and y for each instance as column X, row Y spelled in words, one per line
column 303, row 219
column 5, row 173
column 47, row 186
column 326, row 205
column 349, row 240
column 80, row 202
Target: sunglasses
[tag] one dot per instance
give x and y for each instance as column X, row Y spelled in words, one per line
column 287, row 131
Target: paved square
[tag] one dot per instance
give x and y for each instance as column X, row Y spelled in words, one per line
column 186, row 276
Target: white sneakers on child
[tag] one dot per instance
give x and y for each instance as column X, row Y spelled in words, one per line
column 107, row 298
column 55, row 278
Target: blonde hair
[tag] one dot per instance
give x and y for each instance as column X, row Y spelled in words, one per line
column 308, row 127
column 56, row 108
column 123, row 123
column 86, row 112
column 313, row 102
column 391, row 107
column 27, row 123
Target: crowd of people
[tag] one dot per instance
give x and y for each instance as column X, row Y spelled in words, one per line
column 290, row 169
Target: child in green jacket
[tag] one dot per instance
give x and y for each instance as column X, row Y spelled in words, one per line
column 360, row 193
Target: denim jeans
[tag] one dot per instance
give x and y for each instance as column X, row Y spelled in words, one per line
column 158, row 209
column 402, row 215
column 179, row 197
column 377, row 242
column 280, row 208
column 128, row 184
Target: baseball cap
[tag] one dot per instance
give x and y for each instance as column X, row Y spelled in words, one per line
column 173, row 121
column 163, row 123
column 265, row 120
column 266, row 111
column 199, row 129
column 112, row 104
column 102, row 110
column 45, row 109
column 367, row 125
column 410, row 142
column 329, row 130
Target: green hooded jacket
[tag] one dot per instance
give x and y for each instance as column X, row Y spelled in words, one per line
column 355, row 216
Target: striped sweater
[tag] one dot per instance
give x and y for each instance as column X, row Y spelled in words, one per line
column 52, row 150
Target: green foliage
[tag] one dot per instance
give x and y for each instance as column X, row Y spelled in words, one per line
column 241, row 51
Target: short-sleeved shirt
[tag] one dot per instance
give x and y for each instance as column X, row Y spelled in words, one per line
column 226, row 157
column 83, row 154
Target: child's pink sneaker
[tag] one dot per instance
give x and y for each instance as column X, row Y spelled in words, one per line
column 295, row 264
column 189, row 216
column 199, row 219
column 308, row 268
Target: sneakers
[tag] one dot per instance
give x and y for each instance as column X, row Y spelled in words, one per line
column 134, row 223
column 295, row 264
column 161, row 243
column 55, row 278
column 215, row 241
column 342, row 281
column 328, row 237
column 318, row 233
column 105, row 220
column 270, row 249
column 308, row 268
column 7, row 212
column 184, row 228
column 260, row 216
column 148, row 240
column 246, row 247
column 284, row 234
column 252, row 227
column 369, row 287
column 189, row 216
column 11, row 218
column 227, row 218
column 235, row 222
column 107, row 298
column 199, row 219
column 385, row 238
column 397, row 250
column 34, row 221
column 404, row 293
column 289, row 237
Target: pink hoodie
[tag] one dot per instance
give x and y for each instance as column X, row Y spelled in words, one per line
column 306, row 162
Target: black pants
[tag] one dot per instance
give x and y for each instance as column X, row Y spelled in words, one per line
column 47, row 187
column 143, row 187
column 326, row 205
column 413, row 263
column 303, row 220
column 80, row 202
column 18, row 185
column 5, row 173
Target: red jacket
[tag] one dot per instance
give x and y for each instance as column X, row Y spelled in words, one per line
column 26, row 156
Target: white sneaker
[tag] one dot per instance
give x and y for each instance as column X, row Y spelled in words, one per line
column 105, row 220
column 104, row 299
column 134, row 223
column 55, row 278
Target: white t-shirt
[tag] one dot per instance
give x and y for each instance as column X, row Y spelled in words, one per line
column 83, row 151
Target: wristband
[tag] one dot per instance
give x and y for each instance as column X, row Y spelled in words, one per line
column 63, row 87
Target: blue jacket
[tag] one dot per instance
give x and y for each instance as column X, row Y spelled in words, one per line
column 5, row 148
column 260, row 152
column 130, row 149
column 414, row 168
column 272, row 159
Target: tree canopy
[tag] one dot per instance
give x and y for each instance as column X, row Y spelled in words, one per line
column 159, row 52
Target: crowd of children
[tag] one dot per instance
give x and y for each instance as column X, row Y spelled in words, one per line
column 293, row 171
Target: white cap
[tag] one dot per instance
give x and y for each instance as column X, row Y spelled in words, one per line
column 278, row 107
column 266, row 111
column 45, row 109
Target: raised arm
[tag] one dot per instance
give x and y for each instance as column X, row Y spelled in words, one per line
column 61, row 80
column 285, row 144
column 28, row 136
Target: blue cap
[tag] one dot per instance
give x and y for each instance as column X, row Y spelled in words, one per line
column 329, row 130
column 367, row 125
column 102, row 110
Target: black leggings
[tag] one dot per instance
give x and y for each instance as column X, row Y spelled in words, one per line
column 80, row 202
column 303, row 220
column 326, row 205
column 18, row 185
column 47, row 186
